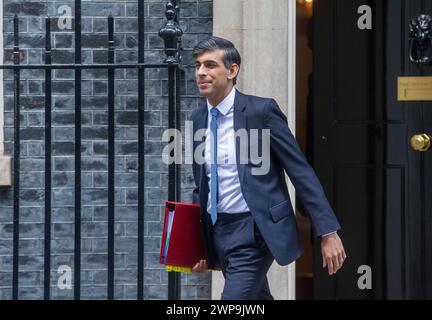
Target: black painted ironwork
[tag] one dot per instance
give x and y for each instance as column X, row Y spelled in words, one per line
column 173, row 172
column 77, row 247
column 48, row 161
column 420, row 37
column 16, row 214
column 171, row 33
column 172, row 64
column 111, row 159
column 141, row 163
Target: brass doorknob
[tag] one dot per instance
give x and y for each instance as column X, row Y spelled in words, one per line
column 421, row 142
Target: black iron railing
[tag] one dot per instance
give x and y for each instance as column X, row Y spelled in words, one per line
column 171, row 34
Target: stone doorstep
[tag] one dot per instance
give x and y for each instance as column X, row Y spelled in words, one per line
column 5, row 171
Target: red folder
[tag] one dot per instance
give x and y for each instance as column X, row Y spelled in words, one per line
column 182, row 244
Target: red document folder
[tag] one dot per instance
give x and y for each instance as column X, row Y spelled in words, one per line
column 182, row 244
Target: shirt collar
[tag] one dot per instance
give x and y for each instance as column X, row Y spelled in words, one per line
column 226, row 104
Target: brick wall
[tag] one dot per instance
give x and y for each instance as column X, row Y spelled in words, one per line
column 196, row 22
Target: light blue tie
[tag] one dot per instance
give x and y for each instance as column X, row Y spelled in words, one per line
column 213, row 172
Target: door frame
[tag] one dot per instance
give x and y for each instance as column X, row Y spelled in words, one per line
column 291, row 115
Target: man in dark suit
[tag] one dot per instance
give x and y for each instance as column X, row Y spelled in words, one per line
column 246, row 213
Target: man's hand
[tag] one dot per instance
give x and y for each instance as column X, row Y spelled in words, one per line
column 200, row 267
column 333, row 253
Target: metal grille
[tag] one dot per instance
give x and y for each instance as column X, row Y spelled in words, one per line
column 171, row 34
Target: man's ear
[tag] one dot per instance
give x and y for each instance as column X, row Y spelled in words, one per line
column 233, row 71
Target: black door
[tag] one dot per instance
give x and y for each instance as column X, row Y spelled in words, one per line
column 379, row 186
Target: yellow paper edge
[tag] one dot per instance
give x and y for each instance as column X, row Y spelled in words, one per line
column 180, row 269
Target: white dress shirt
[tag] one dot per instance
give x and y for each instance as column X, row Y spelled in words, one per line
column 230, row 195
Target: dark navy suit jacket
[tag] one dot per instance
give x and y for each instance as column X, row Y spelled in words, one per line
column 267, row 195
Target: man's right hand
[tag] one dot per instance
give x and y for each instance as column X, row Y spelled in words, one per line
column 200, row 267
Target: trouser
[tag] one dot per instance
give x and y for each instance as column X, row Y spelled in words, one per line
column 244, row 257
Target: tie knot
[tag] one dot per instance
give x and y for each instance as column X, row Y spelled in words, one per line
column 214, row 112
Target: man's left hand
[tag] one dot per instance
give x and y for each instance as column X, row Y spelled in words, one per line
column 333, row 253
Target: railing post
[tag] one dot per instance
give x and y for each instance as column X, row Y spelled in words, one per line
column 77, row 257
column 141, row 163
column 171, row 33
column 48, row 106
column 111, row 159
column 17, row 149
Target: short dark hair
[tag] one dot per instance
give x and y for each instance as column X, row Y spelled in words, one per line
column 231, row 55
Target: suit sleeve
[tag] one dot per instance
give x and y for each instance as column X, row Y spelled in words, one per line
column 195, row 195
column 284, row 147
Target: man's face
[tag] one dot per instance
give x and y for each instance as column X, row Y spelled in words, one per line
column 214, row 80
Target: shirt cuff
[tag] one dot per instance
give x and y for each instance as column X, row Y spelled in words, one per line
column 329, row 234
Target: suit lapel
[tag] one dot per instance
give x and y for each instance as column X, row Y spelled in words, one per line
column 240, row 122
column 201, row 123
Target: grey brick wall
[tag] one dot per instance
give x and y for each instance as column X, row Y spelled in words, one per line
column 196, row 18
